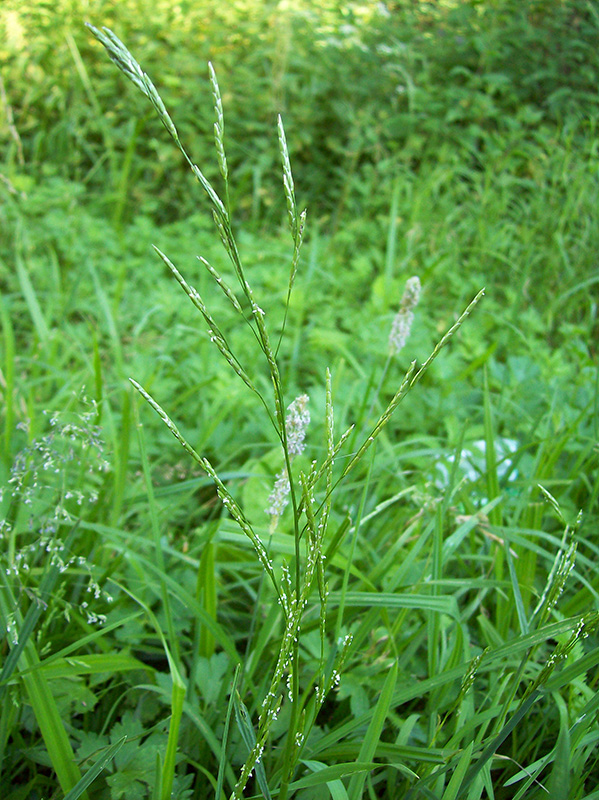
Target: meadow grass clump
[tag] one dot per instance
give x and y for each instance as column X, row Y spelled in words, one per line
column 274, row 731
column 334, row 599
column 310, row 495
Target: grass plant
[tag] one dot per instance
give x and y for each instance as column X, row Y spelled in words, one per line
column 294, row 588
column 414, row 621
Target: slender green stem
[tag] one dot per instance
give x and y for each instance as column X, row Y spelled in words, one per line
column 350, row 555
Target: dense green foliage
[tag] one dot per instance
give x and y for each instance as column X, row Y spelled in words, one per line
column 363, row 87
column 455, row 141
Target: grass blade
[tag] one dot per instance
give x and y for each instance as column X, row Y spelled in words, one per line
column 496, row 743
column 559, row 780
column 225, row 738
column 522, row 619
column 9, row 378
column 42, row 700
column 455, row 784
column 92, row 773
column 373, row 734
column 39, row 321
column 441, row 604
column 168, row 769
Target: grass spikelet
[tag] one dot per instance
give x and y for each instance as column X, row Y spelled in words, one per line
column 119, row 54
column 219, row 125
column 288, row 181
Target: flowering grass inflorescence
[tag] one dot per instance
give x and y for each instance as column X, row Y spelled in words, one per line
column 402, row 322
column 298, row 419
column 45, row 501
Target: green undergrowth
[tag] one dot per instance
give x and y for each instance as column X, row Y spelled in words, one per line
column 95, row 315
column 448, row 645
column 359, row 83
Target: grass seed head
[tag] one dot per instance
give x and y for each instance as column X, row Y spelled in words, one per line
column 296, row 422
column 402, row 323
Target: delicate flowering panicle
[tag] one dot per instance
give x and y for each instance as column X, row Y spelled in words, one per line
column 402, row 324
column 278, row 497
column 40, row 478
column 298, row 419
